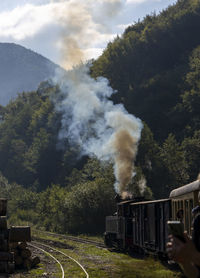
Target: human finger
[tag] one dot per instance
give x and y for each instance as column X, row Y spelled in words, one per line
column 170, row 236
column 186, row 236
column 169, row 244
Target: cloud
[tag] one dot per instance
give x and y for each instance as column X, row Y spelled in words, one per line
column 124, row 26
column 46, row 25
column 140, row 1
column 94, row 53
column 136, row 1
column 79, row 25
column 25, row 21
column 84, row 24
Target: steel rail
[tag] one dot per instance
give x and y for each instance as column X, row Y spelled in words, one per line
column 44, row 251
column 64, row 254
column 77, row 239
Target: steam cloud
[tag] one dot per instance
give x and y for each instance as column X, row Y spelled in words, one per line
column 90, row 119
column 101, row 128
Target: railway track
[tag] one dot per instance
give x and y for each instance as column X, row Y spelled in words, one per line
column 45, row 247
column 48, row 254
column 76, row 239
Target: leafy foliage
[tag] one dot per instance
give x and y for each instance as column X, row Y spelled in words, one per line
column 149, row 63
column 81, row 209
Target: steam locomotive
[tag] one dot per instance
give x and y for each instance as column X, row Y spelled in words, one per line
column 142, row 225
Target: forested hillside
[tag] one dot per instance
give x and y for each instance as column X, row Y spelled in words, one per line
column 21, row 70
column 155, row 67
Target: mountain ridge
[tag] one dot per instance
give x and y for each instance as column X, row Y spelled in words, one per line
column 21, row 69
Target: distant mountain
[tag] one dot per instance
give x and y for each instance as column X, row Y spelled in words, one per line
column 21, row 70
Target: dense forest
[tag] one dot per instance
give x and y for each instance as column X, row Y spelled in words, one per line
column 155, row 68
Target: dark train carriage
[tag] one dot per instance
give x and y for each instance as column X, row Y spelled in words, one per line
column 149, row 220
column 143, row 224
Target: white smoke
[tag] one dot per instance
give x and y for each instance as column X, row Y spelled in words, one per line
column 142, row 184
column 90, row 119
column 95, row 124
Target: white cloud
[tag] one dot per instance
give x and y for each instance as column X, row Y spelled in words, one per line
column 136, row 1
column 141, row 1
column 92, row 53
column 124, row 26
column 42, row 24
column 27, row 23
column 85, row 25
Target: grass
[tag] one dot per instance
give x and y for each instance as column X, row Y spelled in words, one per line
column 101, row 263
column 35, row 272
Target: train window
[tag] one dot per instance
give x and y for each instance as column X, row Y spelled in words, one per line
column 175, row 206
column 176, row 209
column 126, row 210
column 180, row 215
column 160, row 212
column 181, row 204
column 191, row 204
column 145, row 212
column 119, row 210
column 187, row 216
column 131, row 211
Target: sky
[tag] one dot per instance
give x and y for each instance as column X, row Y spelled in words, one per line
column 67, row 31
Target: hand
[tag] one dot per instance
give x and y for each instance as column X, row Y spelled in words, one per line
column 184, row 253
column 180, row 251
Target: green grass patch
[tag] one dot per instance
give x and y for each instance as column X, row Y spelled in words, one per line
column 101, row 263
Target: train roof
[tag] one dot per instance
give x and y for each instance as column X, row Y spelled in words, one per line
column 191, row 187
column 125, row 202
column 149, row 202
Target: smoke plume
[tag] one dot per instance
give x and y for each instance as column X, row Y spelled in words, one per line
column 92, row 122
column 82, row 23
column 90, row 119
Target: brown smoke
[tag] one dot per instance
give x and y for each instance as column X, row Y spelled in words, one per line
column 82, row 23
column 126, row 149
column 75, row 21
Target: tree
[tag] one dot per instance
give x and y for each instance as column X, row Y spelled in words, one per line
column 175, row 162
column 88, row 204
column 191, row 148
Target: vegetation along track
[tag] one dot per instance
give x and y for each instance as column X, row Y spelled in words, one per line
column 48, row 247
column 76, row 239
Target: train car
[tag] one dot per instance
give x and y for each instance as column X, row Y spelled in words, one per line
column 184, row 199
column 142, row 225
column 150, row 232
